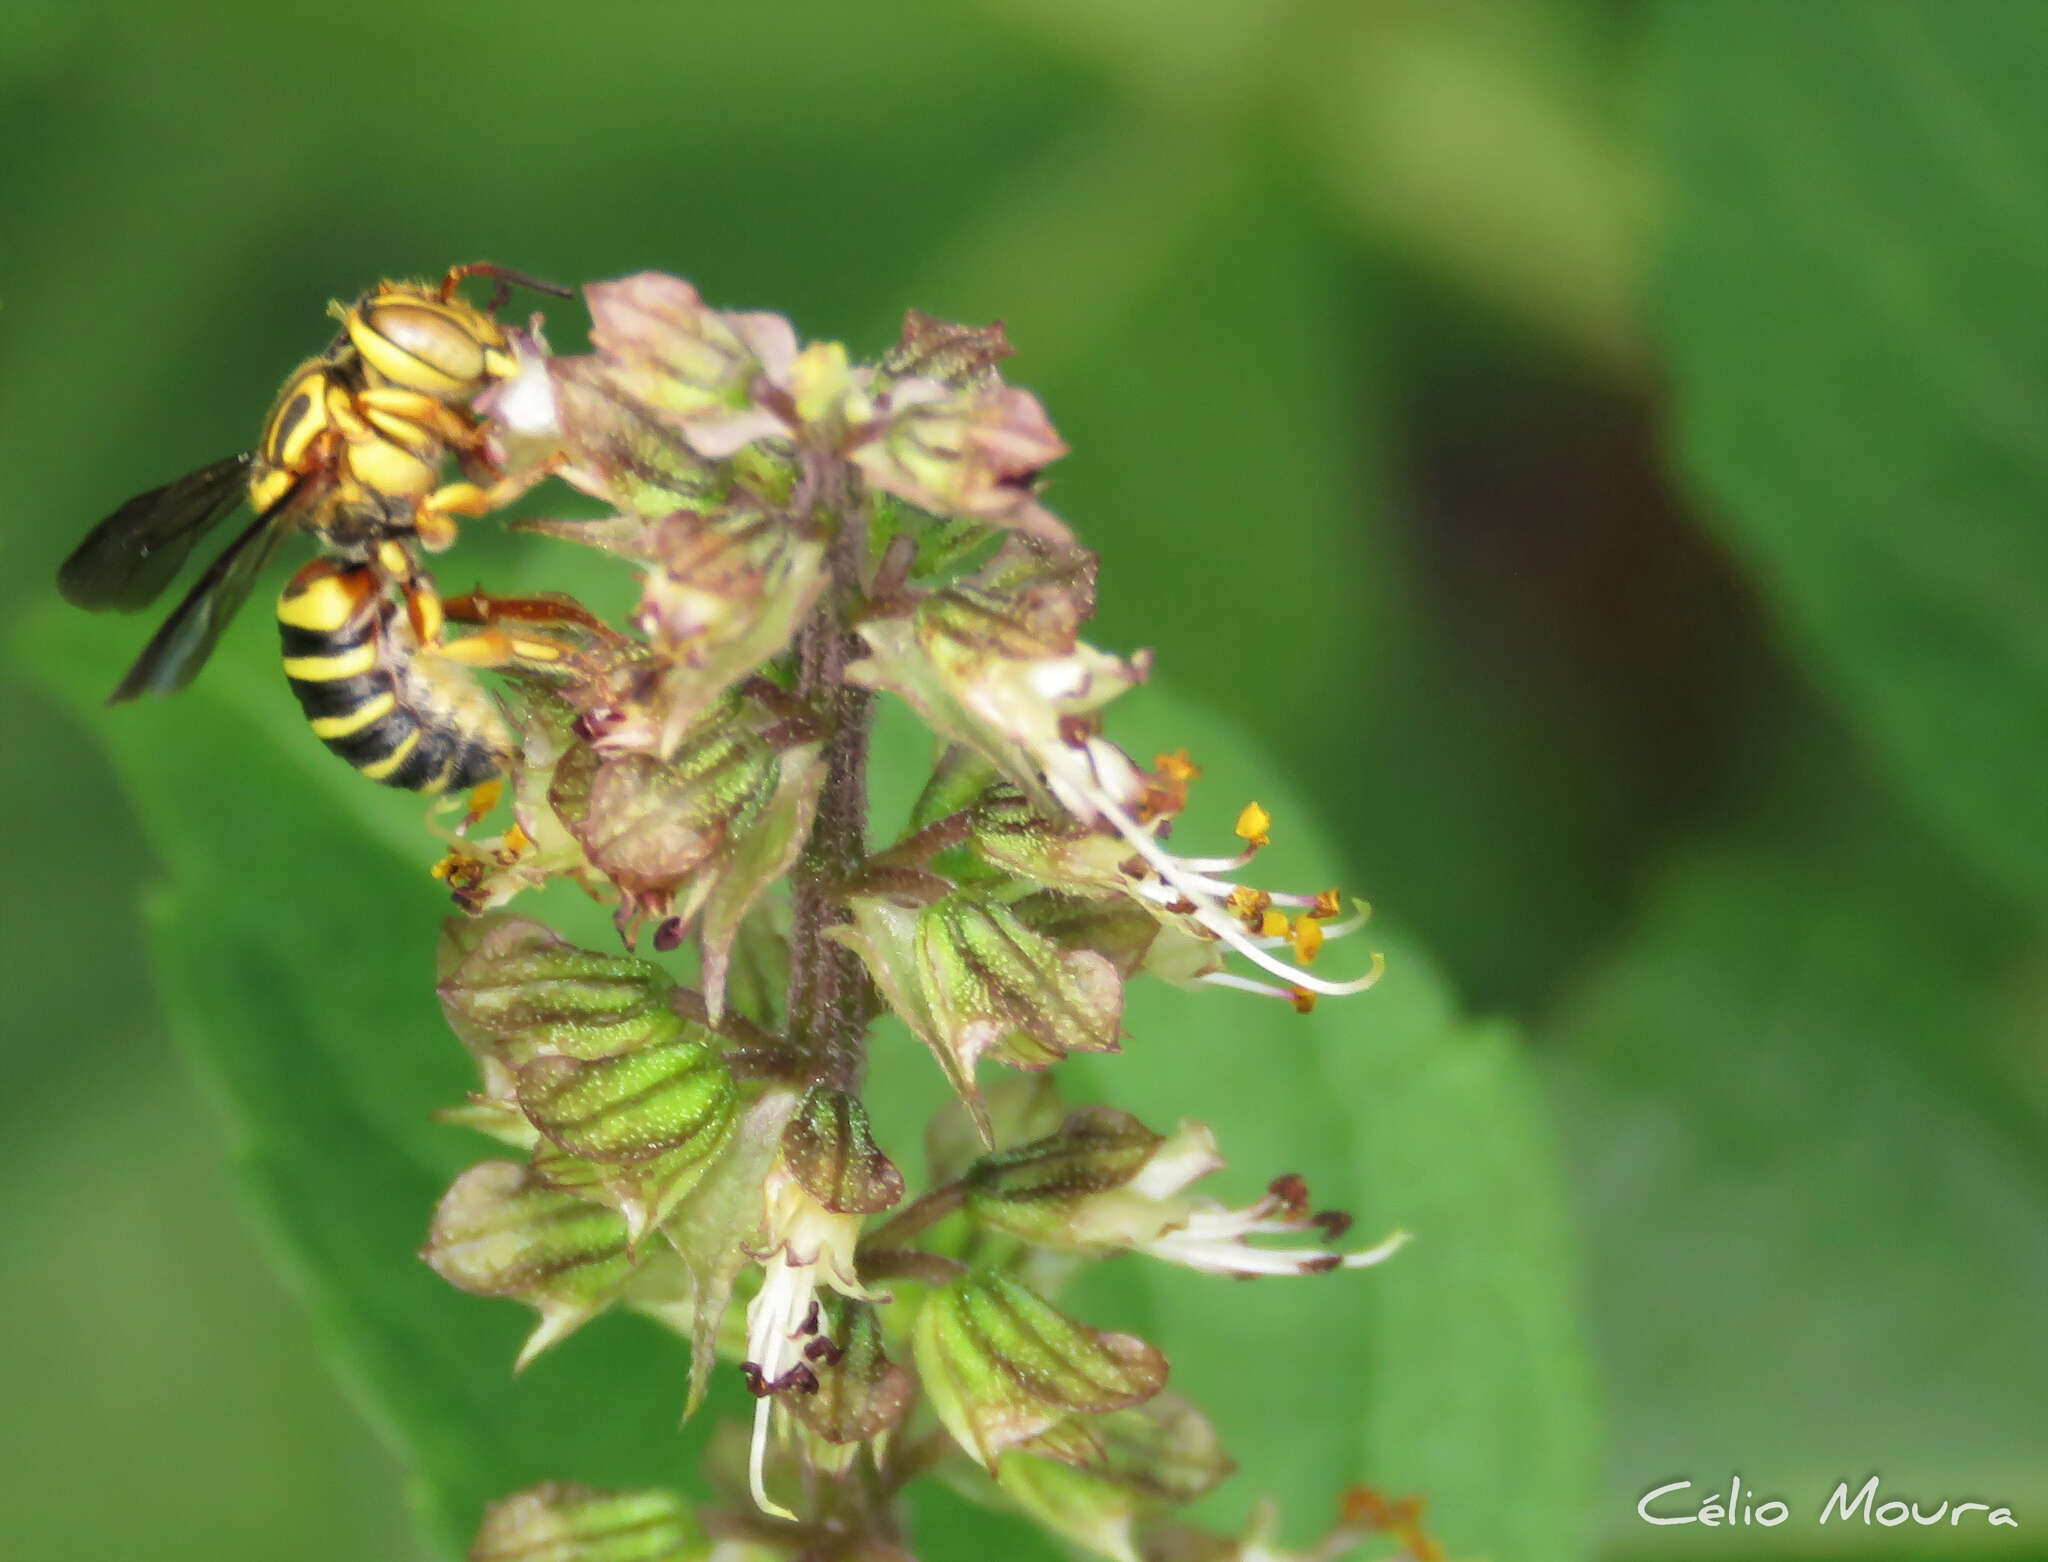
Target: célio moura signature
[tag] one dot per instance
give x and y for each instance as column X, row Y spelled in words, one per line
column 1675, row 1503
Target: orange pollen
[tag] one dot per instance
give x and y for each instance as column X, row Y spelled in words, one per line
column 1304, row 1001
column 1254, row 824
column 1177, row 766
column 1273, row 924
column 1328, row 904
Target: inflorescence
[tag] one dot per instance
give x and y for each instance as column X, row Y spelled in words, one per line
column 811, row 533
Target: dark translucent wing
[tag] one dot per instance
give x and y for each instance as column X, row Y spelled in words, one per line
column 180, row 648
column 126, row 561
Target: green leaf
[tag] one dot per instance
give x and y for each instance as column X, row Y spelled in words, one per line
column 1456, row 1369
column 1814, row 1205
column 1852, row 314
column 294, row 949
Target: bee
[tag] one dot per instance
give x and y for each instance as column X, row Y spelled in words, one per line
column 352, row 452
column 382, row 685
column 352, row 652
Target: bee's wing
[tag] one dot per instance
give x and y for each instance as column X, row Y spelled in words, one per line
column 126, row 561
column 178, row 650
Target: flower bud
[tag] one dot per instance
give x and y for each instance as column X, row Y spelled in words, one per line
column 512, row 989
column 651, row 1120
column 621, row 451
column 994, row 662
column 561, row 1522
column 972, row 450
column 963, row 357
column 500, row 1231
column 706, row 831
column 1094, row 1514
column 859, row 1393
column 996, row 987
column 725, row 592
column 969, row 979
column 1004, row 1367
column 672, row 363
column 829, row 1148
column 1161, row 1454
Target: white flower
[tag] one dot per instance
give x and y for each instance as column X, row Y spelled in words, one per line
column 1096, row 780
column 807, row 1244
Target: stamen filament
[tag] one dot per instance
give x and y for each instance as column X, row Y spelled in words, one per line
column 1246, row 984
column 1222, row 864
column 1219, row 921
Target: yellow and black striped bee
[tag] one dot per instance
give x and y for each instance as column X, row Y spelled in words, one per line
column 351, row 452
column 383, row 687
column 353, row 652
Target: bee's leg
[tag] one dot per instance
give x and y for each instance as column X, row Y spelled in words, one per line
column 497, row 646
column 346, row 417
column 492, row 645
column 428, row 614
column 438, row 510
column 477, row 607
column 423, row 606
column 403, row 414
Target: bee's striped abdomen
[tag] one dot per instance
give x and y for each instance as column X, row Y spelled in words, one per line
column 352, row 660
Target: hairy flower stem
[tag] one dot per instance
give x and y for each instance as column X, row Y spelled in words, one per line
column 830, row 1001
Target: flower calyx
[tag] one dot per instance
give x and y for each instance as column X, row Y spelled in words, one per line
column 1152, row 1458
column 698, row 838
column 1004, row 1369
column 513, row 990
column 502, row 1231
column 559, row 1521
column 829, row 1148
column 972, row 980
column 648, row 1122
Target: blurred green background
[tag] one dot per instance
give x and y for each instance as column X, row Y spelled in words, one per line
column 1597, row 448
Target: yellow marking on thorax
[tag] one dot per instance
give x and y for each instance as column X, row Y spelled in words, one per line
column 268, row 487
column 323, row 606
column 330, row 669
column 399, row 755
column 351, row 722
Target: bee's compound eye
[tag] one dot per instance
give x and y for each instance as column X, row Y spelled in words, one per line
column 438, row 350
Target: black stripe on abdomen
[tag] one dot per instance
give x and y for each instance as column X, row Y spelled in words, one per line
column 338, row 696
